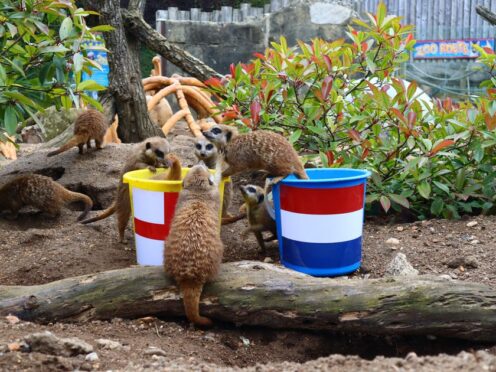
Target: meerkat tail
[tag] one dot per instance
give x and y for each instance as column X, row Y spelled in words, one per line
column 76, row 196
column 74, row 141
column 106, row 213
column 191, row 299
column 229, row 220
column 175, row 171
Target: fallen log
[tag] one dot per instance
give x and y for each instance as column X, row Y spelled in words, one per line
column 261, row 294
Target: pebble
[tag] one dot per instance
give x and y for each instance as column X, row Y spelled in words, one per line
column 268, row 260
column 108, row 344
column 400, row 228
column 472, row 223
column 92, row 357
column 393, row 241
column 152, row 350
column 453, row 276
column 474, row 242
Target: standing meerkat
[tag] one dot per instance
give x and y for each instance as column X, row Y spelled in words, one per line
column 206, row 151
column 259, row 219
column 257, row 150
column 90, row 124
column 194, row 249
column 147, row 154
column 40, row 192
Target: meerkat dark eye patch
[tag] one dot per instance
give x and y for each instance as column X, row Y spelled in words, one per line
column 251, row 189
column 159, row 153
column 198, row 146
column 260, row 198
column 210, row 146
column 216, row 131
column 148, row 145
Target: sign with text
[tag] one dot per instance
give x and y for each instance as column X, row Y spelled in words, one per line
column 95, row 50
column 462, row 48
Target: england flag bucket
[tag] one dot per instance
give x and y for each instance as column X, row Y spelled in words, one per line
column 320, row 220
column 153, row 203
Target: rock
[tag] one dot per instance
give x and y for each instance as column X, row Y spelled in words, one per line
column 32, row 134
column 474, row 242
column 268, row 260
column 399, row 266
column 400, row 228
column 92, row 357
column 446, row 276
column 393, row 241
column 472, row 223
column 322, row 13
column 54, row 122
column 152, row 350
column 12, row 319
column 106, row 344
column 47, row 343
column 466, row 262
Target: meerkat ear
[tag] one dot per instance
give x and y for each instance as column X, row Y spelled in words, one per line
column 148, row 145
column 211, row 180
column 261, row 198
column 228, row 135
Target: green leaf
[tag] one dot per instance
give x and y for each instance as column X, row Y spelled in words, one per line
column 102, row 28
column 295, row 136
column 442, row 186
column 399, row 199
column 478, row 153
column 424, row 189
column 90, row 85
column 65, row 28
column 12, row 29
column 10, row 119
column 78, row 62
column 89, row 100
column 17, row 96
column 42, row 27
column 385, row 202
column 3, row 76
column 437, row 206
column 54, row 49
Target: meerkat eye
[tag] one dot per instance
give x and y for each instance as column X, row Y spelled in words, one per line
column 251, row 189
column 216, row 131
column 159, row 153
column 198, row 146
column 210, row 146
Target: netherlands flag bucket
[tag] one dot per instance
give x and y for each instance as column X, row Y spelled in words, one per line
column 153, row 203
column 320, row 220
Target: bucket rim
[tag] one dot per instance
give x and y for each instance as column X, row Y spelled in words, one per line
column 130, row 177
column 364, row 175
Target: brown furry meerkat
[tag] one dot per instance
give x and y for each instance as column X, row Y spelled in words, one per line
column 207, row 152
column 258, row 218
column 194, row 249
column 40, row 192
column 147, row 154
column 172, row 162
column 90, row 124
column 257, row 150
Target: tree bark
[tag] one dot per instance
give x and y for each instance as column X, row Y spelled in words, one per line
column 260, row 294
column 486, row 14
column 124, row 77
column 137, row 27
column 138, row 7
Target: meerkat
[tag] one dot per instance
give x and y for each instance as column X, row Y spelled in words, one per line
column 259, row 219
column 206, row 151
column 90, row 124
column 40, row 192
column 175, row 170
column 147, row 154
column 194, row 249
column 257, row 150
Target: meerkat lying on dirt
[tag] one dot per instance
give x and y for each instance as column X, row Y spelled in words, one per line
column 194, row 249
column 151, row 154
column 40, row 192
column 90, row 124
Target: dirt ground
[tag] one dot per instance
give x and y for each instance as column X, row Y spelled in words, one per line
column 35, row 249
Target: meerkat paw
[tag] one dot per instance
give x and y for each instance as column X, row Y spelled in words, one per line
column 152, row 169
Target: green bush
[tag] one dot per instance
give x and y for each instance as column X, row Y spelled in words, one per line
column 42, row 58
column 329, row 99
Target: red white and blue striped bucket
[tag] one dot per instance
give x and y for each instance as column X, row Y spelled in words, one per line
column 320, row 220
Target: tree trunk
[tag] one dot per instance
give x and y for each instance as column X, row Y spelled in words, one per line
column 125, row 78
column 486, row 14
column 138, row 28
column 260, row 294
column 138, row 7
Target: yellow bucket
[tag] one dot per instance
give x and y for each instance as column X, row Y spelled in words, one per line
column 153, row 203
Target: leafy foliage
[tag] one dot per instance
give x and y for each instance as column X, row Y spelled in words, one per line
column 340, row 101
column 42, row 56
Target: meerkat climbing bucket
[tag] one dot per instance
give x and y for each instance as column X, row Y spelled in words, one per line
column 320, row 220
column 153, row 203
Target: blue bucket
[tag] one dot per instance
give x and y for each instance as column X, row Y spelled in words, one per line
column 320, row 220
